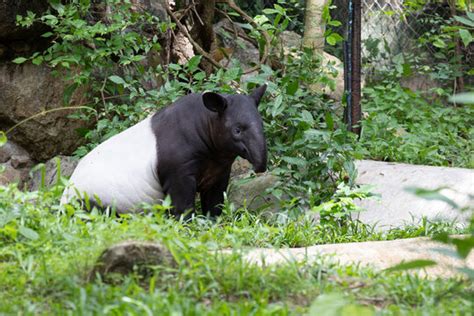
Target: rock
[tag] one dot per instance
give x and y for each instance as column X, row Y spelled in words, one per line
column 9, row 150
column 20, row 161
column 376, row 254
column 240, row 167
column 15, row 163
column 397, row 207
column 67, row 166
column 129, row 256
column 334, row 69
column 12, row 175
column 25, row 91
column 252, row 193
column 289, row 40
column 182, row 49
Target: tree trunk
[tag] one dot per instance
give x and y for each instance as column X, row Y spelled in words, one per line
column 314, row 25
column 459, row 81
column 202, row 31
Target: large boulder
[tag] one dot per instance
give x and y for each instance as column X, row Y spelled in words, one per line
column 397, row 206
column 26, row 91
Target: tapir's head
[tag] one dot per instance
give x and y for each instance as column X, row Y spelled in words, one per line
column 239, row 126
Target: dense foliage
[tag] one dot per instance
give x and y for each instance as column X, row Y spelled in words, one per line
column 401, row 125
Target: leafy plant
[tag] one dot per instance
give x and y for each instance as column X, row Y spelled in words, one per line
column 402, row 126
column 107, row 58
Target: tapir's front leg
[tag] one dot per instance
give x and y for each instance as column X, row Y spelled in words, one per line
column 213, row 198
column 182, row 191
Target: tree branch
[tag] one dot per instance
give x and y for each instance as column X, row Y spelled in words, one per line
column 200, row 50
column 268, row 41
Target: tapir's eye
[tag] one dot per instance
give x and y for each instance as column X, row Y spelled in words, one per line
column 237, row 130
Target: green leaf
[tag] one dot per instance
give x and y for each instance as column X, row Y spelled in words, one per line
column 68, row 91
column 295, row 161
column 37, row 60
column 431, row 195
column 335, row 304
column 333, row 38
column 19, row 60
column 464, row 20
column 329, row 121
column 277, row 105
column 439, row 43
column 193, row 63
column 415, row 264
column 465, row 36
column 47, row 34
column 292, row 87
column 28, row 233
column 464, row 245
column 3, row 138
column 465, row 98
column 328, row 305
column 334, row 23
column 307, row 117
column 470, row 15
column 117, row 79
column 269, row 11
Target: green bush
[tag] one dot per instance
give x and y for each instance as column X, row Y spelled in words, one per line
column 402, row 126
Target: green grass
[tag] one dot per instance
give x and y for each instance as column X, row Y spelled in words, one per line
column 45, row 256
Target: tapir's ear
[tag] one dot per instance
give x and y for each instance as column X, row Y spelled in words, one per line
column 214, row 102
column 258, row 93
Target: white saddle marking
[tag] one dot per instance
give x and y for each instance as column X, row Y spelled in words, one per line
column 121, row 171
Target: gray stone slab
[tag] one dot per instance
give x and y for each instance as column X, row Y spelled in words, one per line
column 397, row 207
column 378, row 255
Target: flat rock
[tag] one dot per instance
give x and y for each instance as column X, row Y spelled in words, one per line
column 375, row 254
column 397, row 207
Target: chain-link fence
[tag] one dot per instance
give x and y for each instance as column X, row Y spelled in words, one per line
column 388, row 29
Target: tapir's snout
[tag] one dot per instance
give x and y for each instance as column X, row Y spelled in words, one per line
column 257, row 154
column 260, row 167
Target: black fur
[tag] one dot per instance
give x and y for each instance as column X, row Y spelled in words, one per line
column 198, row 138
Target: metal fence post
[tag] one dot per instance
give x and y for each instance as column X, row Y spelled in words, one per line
column 352, row 113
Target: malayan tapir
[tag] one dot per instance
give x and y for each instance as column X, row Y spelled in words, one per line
column 185, row 148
